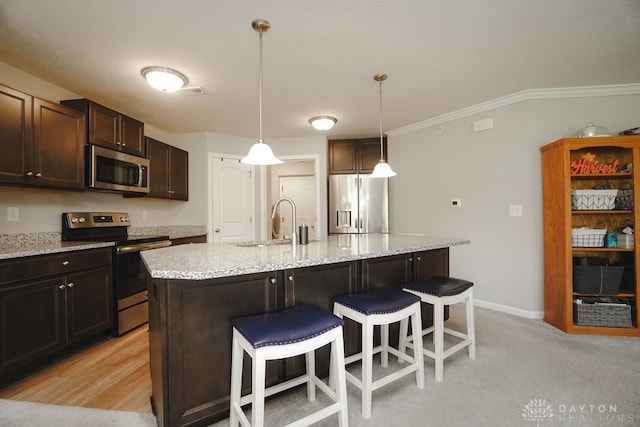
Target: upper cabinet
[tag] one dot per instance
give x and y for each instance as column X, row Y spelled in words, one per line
column 110, row 129
column 42, row 142
column 355, row 155
column 168, row 171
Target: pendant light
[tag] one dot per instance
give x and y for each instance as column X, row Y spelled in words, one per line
column 382, row 169
column 260, row 153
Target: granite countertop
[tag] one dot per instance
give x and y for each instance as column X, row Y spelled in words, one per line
column 208, row 260
column 24, row 249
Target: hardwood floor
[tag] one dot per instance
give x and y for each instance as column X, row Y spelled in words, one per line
column 113, row 374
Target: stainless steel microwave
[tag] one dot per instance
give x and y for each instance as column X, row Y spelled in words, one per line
column 115, row 171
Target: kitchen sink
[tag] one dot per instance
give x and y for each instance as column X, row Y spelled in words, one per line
column 260, row 244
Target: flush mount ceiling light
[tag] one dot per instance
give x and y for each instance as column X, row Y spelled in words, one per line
column 382, row 169
column 322, row 122
column 164, row 79
column 260, row 153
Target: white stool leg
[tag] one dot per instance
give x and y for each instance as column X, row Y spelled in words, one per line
column 384, row 341
column 403, row 338
column 311, row 373
column 337, row 373
column 438, row 338
column 417, row 346
column 258, row 385
column 367, row 368
column 237, row 356
column 471, row 328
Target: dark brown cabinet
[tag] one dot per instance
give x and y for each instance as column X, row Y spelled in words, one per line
column 42, row 142
column 355, row 155
column 110, row 129
column 168, row 171
column 196, row 377
column 49, row 304
column 318, row 285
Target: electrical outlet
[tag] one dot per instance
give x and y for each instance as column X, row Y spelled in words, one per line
column 515, row 210
column 13, row 213
column 145, row 215
column 456, row 203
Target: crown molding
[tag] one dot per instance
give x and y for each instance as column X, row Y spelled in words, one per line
column 525, row 95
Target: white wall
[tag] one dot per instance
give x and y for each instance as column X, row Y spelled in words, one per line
column 489, row 171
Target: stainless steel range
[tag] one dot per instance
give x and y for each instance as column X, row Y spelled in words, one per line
column 130, row 284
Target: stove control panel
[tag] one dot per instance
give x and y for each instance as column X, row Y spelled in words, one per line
column 96, row 219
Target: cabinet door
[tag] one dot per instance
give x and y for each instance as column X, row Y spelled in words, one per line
column 89, row 303
column 343, row 156
column 427, row 264
column 189, row 305
column 15, row 136
column 59, row 146
column 369, row 154
column 103, row 126
column 317, row 286
column 32, row 319
column 179, row 174
column 389, row 271
column 131, row 136
column 158, row 154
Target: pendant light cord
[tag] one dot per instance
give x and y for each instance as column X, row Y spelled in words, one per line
column 381, row 139
column 260, row 87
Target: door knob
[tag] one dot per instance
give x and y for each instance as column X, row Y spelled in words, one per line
column 217, row 230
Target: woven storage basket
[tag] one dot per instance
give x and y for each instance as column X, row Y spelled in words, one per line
column 588, row 237
column 593, row 199
column 602, row 314
column 624, row 198
column 597, row 279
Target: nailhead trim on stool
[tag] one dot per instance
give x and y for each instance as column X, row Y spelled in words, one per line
column 381, row 307
column 442, row 291
column 279, row 335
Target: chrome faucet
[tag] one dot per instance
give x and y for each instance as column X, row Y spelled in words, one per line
column 294, row 239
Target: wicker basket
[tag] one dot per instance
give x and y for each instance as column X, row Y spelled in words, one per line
column 588, row 237
column 593, row 199
column 624, row 198
column 602, row 314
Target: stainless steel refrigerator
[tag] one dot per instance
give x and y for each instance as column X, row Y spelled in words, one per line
column 358, row 204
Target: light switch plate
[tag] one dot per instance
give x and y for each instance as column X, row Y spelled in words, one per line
column 515, row 210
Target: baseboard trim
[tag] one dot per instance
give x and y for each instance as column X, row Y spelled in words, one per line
column 538, row 315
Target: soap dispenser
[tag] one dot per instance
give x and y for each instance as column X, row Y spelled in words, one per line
column 303, row 233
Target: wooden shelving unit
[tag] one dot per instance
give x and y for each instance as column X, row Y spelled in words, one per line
column 559, row 219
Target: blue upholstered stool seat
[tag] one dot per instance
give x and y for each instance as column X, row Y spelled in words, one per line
column 381, row 307
column 274, row 336
column 440, row 286
column 378, row 301
column 285, row 327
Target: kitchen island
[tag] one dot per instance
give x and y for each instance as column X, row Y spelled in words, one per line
column 195, row 290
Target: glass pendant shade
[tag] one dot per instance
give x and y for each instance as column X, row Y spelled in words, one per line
column 260, row 154
column 164, row 79
column 382, row 170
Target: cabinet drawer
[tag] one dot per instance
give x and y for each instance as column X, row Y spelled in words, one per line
column 47, row 265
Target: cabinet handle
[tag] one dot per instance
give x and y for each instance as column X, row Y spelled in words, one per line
column 29, row 173
column 71, row 285
column 124, row 144
column 410, row 259
column 418, row 258
column 118, row 143
column 39, row 174
column 61, row 286
column 273, row 280
column 65, row 263
column 290, row 277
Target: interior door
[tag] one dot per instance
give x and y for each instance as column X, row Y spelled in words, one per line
column 231, row 200
column 302, row 190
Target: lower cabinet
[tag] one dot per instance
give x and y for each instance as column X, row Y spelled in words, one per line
column 190, row 326
column 49, row 304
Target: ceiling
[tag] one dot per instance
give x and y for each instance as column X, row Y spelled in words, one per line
column 319, row 56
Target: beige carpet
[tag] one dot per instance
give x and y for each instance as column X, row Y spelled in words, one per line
column 14, row 413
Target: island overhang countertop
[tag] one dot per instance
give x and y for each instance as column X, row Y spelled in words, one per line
column 200, row 261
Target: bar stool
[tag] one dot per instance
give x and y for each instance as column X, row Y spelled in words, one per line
column 382, row 307
column 441, row 291
column 279, row 335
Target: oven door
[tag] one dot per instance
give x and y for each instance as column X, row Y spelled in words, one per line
column 130, row 270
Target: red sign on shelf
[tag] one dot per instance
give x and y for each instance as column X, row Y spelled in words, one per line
column 588, row 165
